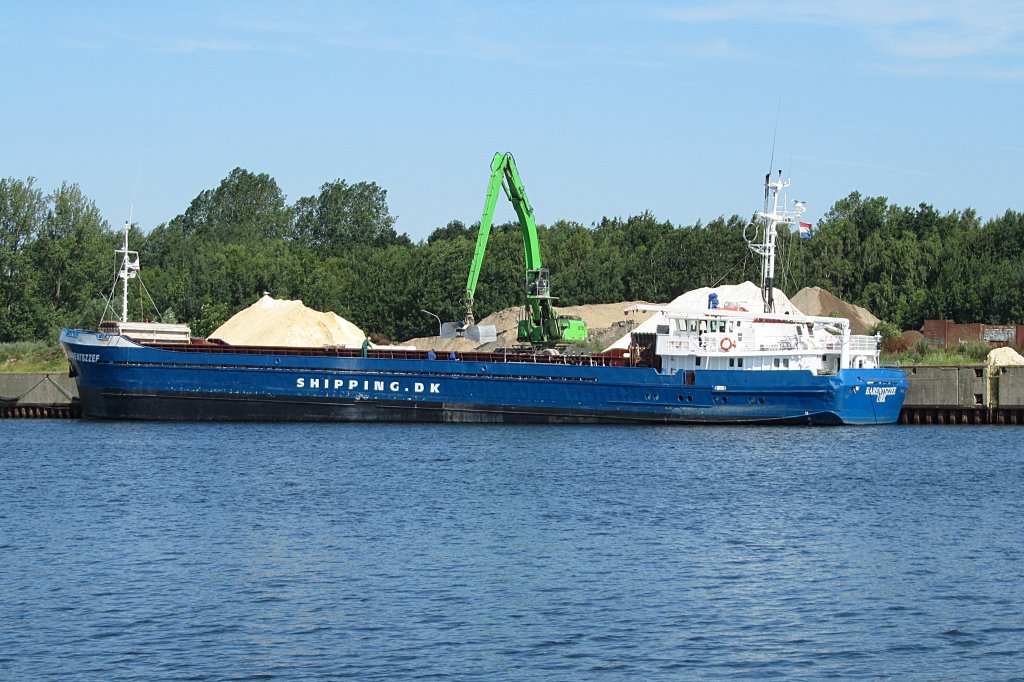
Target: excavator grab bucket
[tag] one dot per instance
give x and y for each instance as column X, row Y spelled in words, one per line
column 452, row 330
column 482, row 333
column 478, row 333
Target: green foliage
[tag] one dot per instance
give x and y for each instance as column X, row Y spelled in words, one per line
column 245, row 206
column 212, row 315
column 55, row 253
column 338, row 250
column 343, row 216
column 888, row 331
column 32, row 356
column 934, row 356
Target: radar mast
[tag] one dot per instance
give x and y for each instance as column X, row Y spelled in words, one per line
column 768, row 221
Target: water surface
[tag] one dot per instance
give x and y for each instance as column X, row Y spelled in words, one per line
column 234, row 551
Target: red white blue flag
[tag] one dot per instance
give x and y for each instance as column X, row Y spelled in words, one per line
column 806, row 230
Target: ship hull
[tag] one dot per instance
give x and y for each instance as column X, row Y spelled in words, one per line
column 119, row 379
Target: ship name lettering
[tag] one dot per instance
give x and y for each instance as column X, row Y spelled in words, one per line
column 367, row 385
column 880, row 392
column 86, row 357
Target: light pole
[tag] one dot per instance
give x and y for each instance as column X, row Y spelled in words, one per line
column 434, row 316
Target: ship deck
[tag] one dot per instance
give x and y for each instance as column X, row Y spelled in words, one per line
column 612, row 358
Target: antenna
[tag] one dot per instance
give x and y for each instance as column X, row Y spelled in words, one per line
column 129, row 265
column 774, row 214
column 775, row 133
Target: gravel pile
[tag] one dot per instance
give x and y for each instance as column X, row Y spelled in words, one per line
column 818, row 301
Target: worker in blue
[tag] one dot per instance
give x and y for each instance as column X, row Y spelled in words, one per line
column 431, row 355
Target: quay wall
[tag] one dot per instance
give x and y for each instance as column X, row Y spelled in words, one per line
column 38, row 395
column 977, row 394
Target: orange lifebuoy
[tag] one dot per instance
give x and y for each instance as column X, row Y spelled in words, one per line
column 726, row 344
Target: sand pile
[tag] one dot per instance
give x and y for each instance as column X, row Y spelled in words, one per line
column 818, row 301
column 269, row 322
column 746, row 295
column 1004, row 356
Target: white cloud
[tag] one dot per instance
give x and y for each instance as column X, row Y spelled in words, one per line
column 913, row 28
column 189, row 46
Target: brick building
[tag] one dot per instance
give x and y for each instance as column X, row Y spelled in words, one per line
column 947, row 333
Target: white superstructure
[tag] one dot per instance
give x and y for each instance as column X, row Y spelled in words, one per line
column 688, row 338
column 738, row 339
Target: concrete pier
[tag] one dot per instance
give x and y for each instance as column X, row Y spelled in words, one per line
column 977, row 394
column 38, row 395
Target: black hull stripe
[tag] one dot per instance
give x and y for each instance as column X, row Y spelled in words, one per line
column 99, row 404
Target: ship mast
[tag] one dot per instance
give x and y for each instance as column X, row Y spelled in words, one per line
column 129, row 269
column 773, row 215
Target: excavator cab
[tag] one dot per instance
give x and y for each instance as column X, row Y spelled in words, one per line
column 542, row 324
column 538, row 284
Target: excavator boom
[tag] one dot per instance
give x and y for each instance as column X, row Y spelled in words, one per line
column 504, row 177
column 542, row 324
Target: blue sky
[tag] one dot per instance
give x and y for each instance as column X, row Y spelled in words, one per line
column 610, row 108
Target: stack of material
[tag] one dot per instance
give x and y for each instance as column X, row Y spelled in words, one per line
column 269, row 322
column 746, row 295
column 1004, row 356
column 912, row 337
column 819, row 302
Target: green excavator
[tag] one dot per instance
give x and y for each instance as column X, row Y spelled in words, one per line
column 541, row 325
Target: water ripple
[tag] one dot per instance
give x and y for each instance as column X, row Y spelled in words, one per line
column 383, row 552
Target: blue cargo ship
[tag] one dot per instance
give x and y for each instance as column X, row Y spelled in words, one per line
column 651, row 382
column 709, row 365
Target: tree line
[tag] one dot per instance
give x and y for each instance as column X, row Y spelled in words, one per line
column 339, row 250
